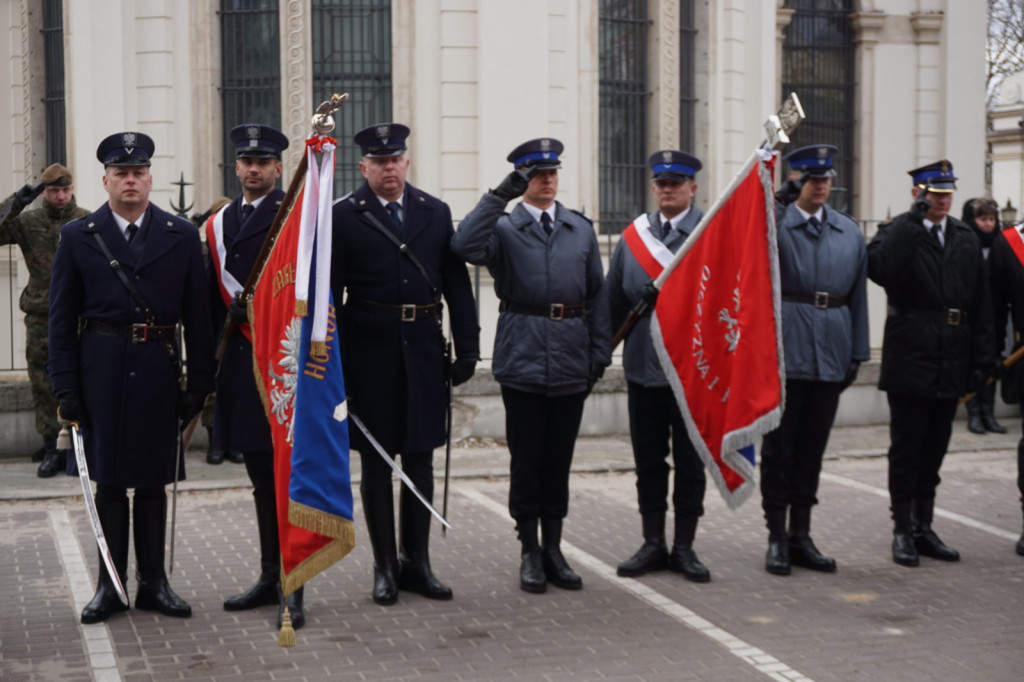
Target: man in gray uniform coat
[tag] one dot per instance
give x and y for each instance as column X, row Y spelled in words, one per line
column 654, row 414
column 823, row 273
column 553, row 342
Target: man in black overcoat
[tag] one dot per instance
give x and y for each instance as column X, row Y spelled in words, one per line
column 938, row 345
column 394, row 349
column 114, row 361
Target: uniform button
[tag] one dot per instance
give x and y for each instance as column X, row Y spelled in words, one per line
column 405, row 343
column 137, row 309
column 137, row 277
column 405, row 281
column 131, row 374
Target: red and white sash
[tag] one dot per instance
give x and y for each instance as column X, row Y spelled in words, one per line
column 1016, row 242
column 648, row 250
column 228, row 286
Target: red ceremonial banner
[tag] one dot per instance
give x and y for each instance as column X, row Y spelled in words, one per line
column 717, row 330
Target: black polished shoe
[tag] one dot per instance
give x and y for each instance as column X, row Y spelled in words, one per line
column 236, row 457
column 215, row 457
column 53, row 462
column 1020, row 545
column 263, row 593
column 557, row 570
column 531, row 572
column 928, row 544
column 104, row 604
column 296, row 612
column 903, row 551
column 974, row 423
column 684, row 560
column 989, row 420
column 158, row 596
column 416, row 576
column 776, row 561
column 652, row 556
column 385, row 587
column 803, row 553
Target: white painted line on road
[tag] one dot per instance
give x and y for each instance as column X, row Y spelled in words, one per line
column 952, row 516
column 99, row 647
column 757, row 658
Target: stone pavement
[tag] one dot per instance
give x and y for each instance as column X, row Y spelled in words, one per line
column 873, row 620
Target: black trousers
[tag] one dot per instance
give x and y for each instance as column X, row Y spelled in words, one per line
column 919, row 429
column 259, row 464
column 654, row 419
column 418, row 466
column 541, row 433
column 113, row 493
column 1020, row 460
column 791, row 454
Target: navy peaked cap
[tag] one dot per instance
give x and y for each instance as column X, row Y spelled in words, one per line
column 258, row 141
column 126, row 149
column 672, row 164
column 935, row 177
column 541, row 153
column 815, row 160
column 382, row 139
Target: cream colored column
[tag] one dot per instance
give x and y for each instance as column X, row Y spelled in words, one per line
column 207, row 135
column 663, row 74
column 928, row 132
column 868, row 30
column 783, row 18
column 296, row 80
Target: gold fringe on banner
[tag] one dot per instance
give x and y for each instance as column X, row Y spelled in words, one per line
column 301, row 308
column 318, row 348
column 286, row 636
column 320, row 522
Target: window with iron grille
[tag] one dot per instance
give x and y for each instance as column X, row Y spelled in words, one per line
column 250, row 72
column 818, row 64
column 53, row 97
column 352, row 53
column 687, row 71
column 623, row 111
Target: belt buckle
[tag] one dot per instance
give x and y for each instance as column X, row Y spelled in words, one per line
column 821, row 299
column 140, row 333
column 953, row 317
column 408, row 312
column 556, row 312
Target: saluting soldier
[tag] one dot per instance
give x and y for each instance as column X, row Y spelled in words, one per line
column 123, row 278
column 391, row 255
column 654, row 416
column 553, row 342
column 235, row 236
column 938, row 345
column 36, row 232
column 823, row 274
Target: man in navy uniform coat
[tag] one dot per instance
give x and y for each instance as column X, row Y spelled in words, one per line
column 823, row 273
column 394, row 349
column 938, row 345
column 114, row 361
column 654, row 416
column 235, row 235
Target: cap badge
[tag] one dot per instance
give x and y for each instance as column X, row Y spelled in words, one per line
column 545, row 145
column 383, row 132
column 128, row 142
column 666, row 157
column 252, row 132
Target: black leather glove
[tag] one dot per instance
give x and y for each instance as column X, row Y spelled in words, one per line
column 27, row 194
column 650, row 294
column 190, row 404
column 238, row 311
column 69, row 407
column 790, row 190
column 851, row 374
column 513, row 186
column 999, row 370
column 596, row 372
column 979, row 375
column 919, row 209
column 461, row 370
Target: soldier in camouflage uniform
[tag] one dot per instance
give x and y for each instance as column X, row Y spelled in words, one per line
column 37, row 232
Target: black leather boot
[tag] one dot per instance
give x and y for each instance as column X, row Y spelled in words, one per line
column 556, row 568
column 653, row 555
column 974, row 423
column 149, row 517
column 926, row 541
column 114, row 521
column 531, row 570
column 379, row 510
column 683, row 559
column 802, row 551
column 264, row 592
column 416, row 574
column 1020, row 544
column 53, row 459
column 296, row 612
column 776, row 561
column 987, row 396
column 903, row 551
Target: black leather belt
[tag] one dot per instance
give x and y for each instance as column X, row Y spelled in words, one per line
column 136, row 333
column 819, row 299
column 406, row 312
column 951, row 316
column 552, row 311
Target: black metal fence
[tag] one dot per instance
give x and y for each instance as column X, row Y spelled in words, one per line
column 53, row 95
column 352, row 53
column 623, row 111
column 250, row 71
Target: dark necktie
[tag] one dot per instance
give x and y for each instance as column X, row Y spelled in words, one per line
column 134, row 240
column 815, row 225
column 247, row 210
column 132, row 230
column 545, row 222
column 936, row 229
column 666, row 230
column 396, row 217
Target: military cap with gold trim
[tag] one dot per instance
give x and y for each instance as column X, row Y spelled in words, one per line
column 935, row 177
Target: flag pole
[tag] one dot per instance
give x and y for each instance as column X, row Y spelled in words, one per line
column 777, row 128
